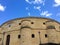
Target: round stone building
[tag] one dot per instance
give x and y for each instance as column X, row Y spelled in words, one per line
column 30, row 31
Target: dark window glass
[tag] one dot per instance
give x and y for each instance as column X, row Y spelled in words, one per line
column 51, row 27
column 33, row 35
column 19, row 23
column 32, row 22
column 46, row 35
column 19, row 36
column 8, row 40
column 44, row 23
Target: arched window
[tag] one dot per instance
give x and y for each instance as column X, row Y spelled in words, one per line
column 19, row 36
column 33, row 35
column 51, row 27
column 8, row 40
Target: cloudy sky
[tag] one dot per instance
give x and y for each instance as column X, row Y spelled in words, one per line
column 10, row 9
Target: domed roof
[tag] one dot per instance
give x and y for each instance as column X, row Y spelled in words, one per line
column 31, row 18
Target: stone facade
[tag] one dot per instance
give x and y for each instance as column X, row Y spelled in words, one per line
column 30, row 31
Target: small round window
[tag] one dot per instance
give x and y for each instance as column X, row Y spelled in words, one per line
column 32, row 22
column 19, row 23
column 44, row 23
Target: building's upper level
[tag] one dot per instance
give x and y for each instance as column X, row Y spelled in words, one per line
column 30, row 22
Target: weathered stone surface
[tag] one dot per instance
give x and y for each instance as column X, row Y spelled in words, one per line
column 30, row 31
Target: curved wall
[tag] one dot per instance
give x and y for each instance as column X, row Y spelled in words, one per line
column 30, row 31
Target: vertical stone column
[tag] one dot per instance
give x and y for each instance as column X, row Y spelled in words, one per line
column 26, row 36
column 1, row 37
column 52, row 35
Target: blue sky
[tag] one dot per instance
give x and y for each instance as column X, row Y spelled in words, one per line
column 10, row 9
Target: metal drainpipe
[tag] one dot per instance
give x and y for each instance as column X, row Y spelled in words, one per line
column 39, row 38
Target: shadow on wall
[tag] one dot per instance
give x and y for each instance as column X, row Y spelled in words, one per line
column 49, row 44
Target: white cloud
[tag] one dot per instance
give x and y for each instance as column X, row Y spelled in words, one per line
column 37, row 7
column 46, row 13
column 27, row 8
column 36, row 1
column 2, row 8
column 57, row 3
column 29, row 14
